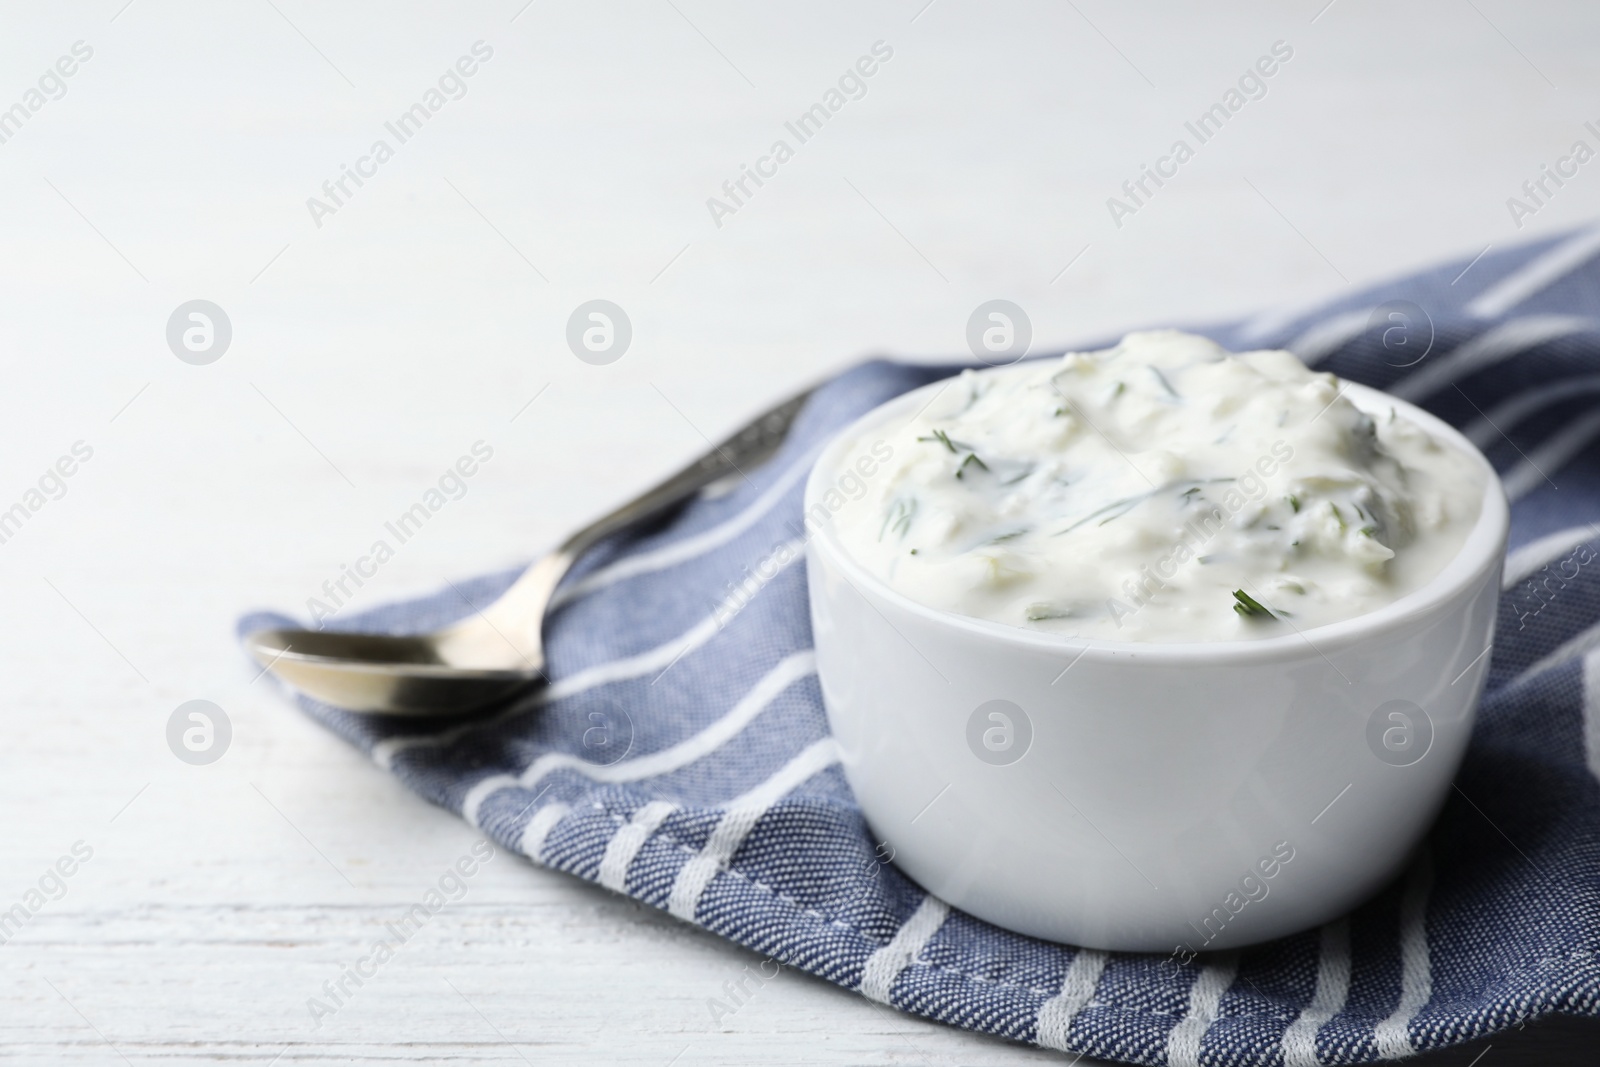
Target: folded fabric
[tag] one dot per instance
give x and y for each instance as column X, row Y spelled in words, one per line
column 681, row 754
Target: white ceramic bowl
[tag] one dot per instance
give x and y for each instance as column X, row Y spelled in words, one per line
column 1151, row 797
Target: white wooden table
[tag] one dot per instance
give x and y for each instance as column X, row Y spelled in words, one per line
column 427, row 310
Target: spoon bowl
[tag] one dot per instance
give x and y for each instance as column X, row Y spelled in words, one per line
column 378, row 673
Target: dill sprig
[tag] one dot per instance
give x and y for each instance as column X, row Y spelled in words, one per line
column 972, row 457
column 1127, row 504
column 1249, row 607
column 956, row 448
column 1162, row 378
column 898, row 516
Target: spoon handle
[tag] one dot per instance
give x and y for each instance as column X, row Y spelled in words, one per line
column 747, row 448
column 523, row 605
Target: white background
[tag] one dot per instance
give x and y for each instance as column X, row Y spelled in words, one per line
column 370, row 352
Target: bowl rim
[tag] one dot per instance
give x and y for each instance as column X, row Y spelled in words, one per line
column 1482, row 550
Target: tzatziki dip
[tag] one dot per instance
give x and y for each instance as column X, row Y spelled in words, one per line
column 1161, row 490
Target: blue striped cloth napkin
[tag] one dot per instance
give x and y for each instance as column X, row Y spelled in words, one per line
column 681, row 755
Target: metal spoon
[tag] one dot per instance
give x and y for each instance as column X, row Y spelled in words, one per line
column 499, row 650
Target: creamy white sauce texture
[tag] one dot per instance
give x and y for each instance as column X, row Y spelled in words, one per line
column 1163, row 490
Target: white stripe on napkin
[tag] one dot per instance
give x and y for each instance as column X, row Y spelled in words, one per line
column 544, row 820
column 699, row 544
column 1492, row 425
column 1205, row 998
column 1591, row 711
column 1328, row 1000
column 384, row 752
column 1077, row 990
column 1583, row 643
column 1536, row 555
column 649, row 661
column 1538, row 273
column 1539, row 467
column 888, row 961
column 1393, row 1035
column 739, row 818
column 1320, row 340
column 789, row 670
column 1491, row 347
column 628, row 840
column 1281, row 317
